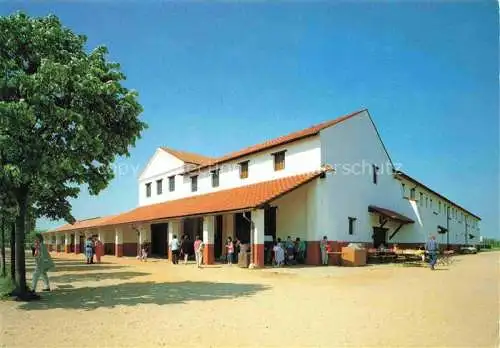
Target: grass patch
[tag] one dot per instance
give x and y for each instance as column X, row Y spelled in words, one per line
column 6, row 287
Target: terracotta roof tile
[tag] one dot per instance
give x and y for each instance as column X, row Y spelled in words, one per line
column 85, row 224
column 279, row 141
column 245, row 197
column 189, row 157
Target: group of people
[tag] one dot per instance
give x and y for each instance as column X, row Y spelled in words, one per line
column 184, row 248
column 93, row 247
column 288, row 253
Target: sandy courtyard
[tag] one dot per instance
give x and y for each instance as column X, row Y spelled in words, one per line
column 125, row 303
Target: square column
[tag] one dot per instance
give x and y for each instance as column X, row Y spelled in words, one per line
column 118, row 242
column 257, row 229
column 208, row 239
column 58, row 242
column 174, row 229
column 67, row 243
column 77, row 243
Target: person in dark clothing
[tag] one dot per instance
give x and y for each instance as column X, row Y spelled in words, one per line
column 186, row 248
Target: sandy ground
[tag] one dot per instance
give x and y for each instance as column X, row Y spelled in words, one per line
column 125, row 303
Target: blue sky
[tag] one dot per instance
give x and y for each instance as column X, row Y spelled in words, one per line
column 214, row 78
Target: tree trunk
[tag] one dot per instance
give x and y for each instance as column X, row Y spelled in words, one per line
column 13, row 251
column 21, row 289
column 4, row 270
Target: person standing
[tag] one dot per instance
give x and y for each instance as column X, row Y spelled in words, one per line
column 174, row 246
column 301, row 250
column 43, row 263
column 432, row 248
column 230, row 250
column 89, row 250
column 99, row 250
column 198, row 251
column 324, row 250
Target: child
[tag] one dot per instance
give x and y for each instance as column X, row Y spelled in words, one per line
column 230, row 250
column 279, row 254
column 144, row 252
column 324, row 246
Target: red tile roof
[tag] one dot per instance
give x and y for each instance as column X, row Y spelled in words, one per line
column 85, row 224
column 415, row 181
column 279, row 141
column 239, row 198
column 189, row 157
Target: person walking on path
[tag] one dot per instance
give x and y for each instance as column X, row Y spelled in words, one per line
column 198, row 251
column 43, row 264
column 323, row 245
column 432, row 248
column 89, row 250
column 174, row 246
column 185, row 248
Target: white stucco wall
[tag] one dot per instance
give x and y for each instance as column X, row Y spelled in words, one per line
column 301, row 156
column 160, row 166
column 352, row 147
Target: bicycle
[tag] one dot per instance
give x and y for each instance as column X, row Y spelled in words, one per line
column 445, row 258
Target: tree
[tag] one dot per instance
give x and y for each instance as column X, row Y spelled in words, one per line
column 64, row 118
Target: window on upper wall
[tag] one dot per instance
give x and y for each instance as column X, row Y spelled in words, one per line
column 352, row 221
column 426, row 201
column 403, row 190
column 430, row 203
column 171, row 183
column 148, row 189
column 375, row 174
column 244, row 170
column 412, row 194
column 279, row 160
column 215, row 178
column 194, row 183
column 159, row 186
column 421, row 199
column 439, row 206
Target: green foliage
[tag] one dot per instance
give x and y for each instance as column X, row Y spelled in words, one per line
column 7, row 285
column 64, row 114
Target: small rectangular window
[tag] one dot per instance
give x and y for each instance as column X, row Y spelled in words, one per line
column 171, row 183
column 421, row 199
column 403, row 190
column 194, row 183
column 159, row 186
column 430, row 204
column 148, row 189
column 439, row 206
column 375, row 173
column 351, row 225
column 412, row 194
column 215, row 178
column 426, row 201
column 244, row 170
column 279, row 160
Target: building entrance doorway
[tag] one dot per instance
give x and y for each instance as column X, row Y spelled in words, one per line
column 218, row 237
column 379, row 236
column 159, row 240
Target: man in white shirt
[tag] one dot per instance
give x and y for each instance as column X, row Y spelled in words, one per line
column 174, row 247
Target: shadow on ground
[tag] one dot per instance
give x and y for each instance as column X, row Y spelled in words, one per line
column 83, row 277
column 132, row 294
column 80, row 268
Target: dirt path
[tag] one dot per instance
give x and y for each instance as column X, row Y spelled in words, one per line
column 125, row 303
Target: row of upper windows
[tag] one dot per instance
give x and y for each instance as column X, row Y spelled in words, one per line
column 279, row 164
column 438, row 207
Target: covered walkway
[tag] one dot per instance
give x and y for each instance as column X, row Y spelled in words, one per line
column 248, row 213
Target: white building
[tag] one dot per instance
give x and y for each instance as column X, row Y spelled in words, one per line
column 335, row 179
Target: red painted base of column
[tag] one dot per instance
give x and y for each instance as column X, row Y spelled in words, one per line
column 129, row 249
column 67, row 249
column 258, row 255
column 119, row 250
column 77, row 248
column 208, row 255
column 313, row 254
